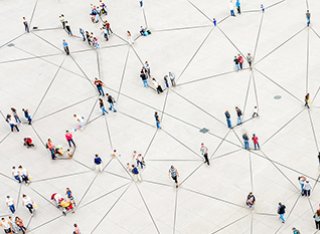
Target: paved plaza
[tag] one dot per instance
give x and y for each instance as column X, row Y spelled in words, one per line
column 35, row 73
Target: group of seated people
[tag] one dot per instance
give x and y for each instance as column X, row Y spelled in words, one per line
column 62, row 203
column 144, row 31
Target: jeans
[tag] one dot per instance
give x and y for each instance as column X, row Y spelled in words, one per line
column 53, row 154
column 71, row 142
column 30, row 208
column 158, row 124
column 232, row 13
column 100, row 90
column 246, row 144
column 12, row 209
column 29, row 119
column 18, row 178
column 112, row 107
column 145, row 83
column 301, row 187
column 282, row 218
column 140, row 163
column 239, row 121
column 12, row 126
column 229, row 123
column 103, row 109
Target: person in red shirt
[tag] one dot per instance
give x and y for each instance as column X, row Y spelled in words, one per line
column 255, row 142
column 69, row 139
column 240, row 60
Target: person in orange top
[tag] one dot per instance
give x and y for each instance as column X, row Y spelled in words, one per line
column 51, row 148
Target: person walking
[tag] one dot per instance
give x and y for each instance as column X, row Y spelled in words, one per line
column 301, row 180
column 231, row 8
column 136, row 174
column 156, row 116
column 28, row 203
column 172, row 79
column 62, row 20
column 27, row 116
column 204, row 152
column 307, row 189
column 108, row 27
column 262, row 8
column 15, row 174
column 12, row 123
column 255, row 141
column 249, row 60
column 214, row 22
column 239, row 114
column 317, row 219
column 295, row 231
column 111, row 102
column 306, row 100
column 236, row 63
column 308, row 16
column 15, row 115
column 281, row 211
column 319, row 158
column 10, row 204
column 69, row 139
column 228, row 117
column 102, row 107
column 26, row 25
column 66, row 47
column 81, row 31
column 245, row 141
column 68, row 28
column 50, row 146
column 240, row 60
column 238, row 5
column 76, row 229
column 99, row 85
column 14, row 226
column 140, row 161
column 251, row 199
column 20, row 224
column 98, row 163
column 144, row 78
column 165, row 78
column 173, row 172
column 24, row 175
column 141, row 3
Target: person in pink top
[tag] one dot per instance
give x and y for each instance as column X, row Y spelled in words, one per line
column 240, row 60
column 76, row 229
column 69, row 138
column 255, row 142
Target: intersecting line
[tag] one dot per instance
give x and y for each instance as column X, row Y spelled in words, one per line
column 29, row 58
column 313, row 130
column 54, row 46
column 175, row 211
column 33, row 11
column 13, row 39
column 228, row 225
column 145, row 18
column 123, row 74
column 62, row 176
column 181, row 28
column 247, row 94
column 274, row 4
column 308, row 54
column 258, row 37
column 198, row 9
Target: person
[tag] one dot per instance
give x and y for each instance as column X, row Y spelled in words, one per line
column 306, row 100
column 281, row 211
column 141, row 3
column 50, row 146
column 80, row 122
column 173, row 172
column 166, row 81
column 295, row 231
column 249, row 59
column 111, row 102
column 76, row 229
column 115, row 154
column 16, row 175
column 319, row 157
column 10, row 204
column 236, row 63
column 88, row 38
column 231, row 8
column 262, row 8
column 238, row 5
column 255, row 142
column 301, row 180
column 26, row 25
column 214, row 22
column 129, row 36
column 146, row 66
column 20, row 224
column 144, row 31
column 308, row 15
column 14, row 226
column 98, row 163
column 68, row 28
column 102, row 107
column 239, row 114
column 241, row 60
column 246, row 141
column 317, row 219
column 136, row 174
column 251, row 199
column 156, row 116
column 28, row 203
column 108, row 27
column 70, row 196
column 12, row 123
column 105, row 33
column 24, row 174
column 228, row 118
column 6, row 225
column 255, row 112
column 204, row 152
column 81, row 31
column 307, row 189
column 99, row 85
column 69, row 139
column 172, row 79
column 157, row 86
column 27, row 116
column 144, row 78
column 15, row 115
column 140, row 161
column 27, row 141
column 66, row 47
column 62, row 20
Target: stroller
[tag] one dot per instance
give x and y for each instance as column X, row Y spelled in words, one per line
column 62, row 204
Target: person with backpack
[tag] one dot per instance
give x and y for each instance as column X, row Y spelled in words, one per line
column 281, row 211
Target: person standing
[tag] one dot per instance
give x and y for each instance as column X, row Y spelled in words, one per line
column 140, row 161
column 231, row 8
column 144, row 78
column 240, row 60
column 102, row 107
column 173, row 172
column 239, row 114
column 62, row 20
column 68, row 28
column 50, row 146
column 82, row 34
column 255, row 141
column 24, row 174
column 245, row 141
column 156, row 116
column 69, row 139
column 204, row 152
column 262, row 8
column 141, row 3
column 26, row 25
column 111, row 102
column 249, row 59
column 88, row 38
column 307, row 189
column 20, row 224
column 129, row 36
column 108, row 27
column 251, row 199
column 228, row 117
column 28, row 203
column 66, row 47
column 146, row 66
column 214, row 22
column 172, row 79
column 281, row 211
column 99, row 84
column 16, row 175
column 10, row 204
column 306, row 100
column 166, row 81
column 302, row 179
column 15, row 115
column 98, row 163
column 308, row 16
column 319, row 157
column 317, row 219
column 27, row 116
column 236, row 63
column 12, row 123
column 157, row 86
column 238, row 5
column 136, row 174
column 255, row 112
column 6, row 225
column 70, row 196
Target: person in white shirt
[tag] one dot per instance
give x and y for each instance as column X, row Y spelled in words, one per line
column 10, row 204
column 24, row 174
column 231, row 8
column 28, row 203
column 16, row 175
column 204, row 152
column 307, row 189
column 6, row 225
column 80, row 120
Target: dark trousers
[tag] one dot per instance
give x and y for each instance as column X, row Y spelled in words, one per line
column 206, row 159
column 66, row 49
column 175, row 178
column 12, row 209
column 30, row 208
column 26, row 27
column 63, row 25
column 317, row 225
column 100, row 90
column 71, row 142
column 12, row 126
column 239, row 10
column 306, row 193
